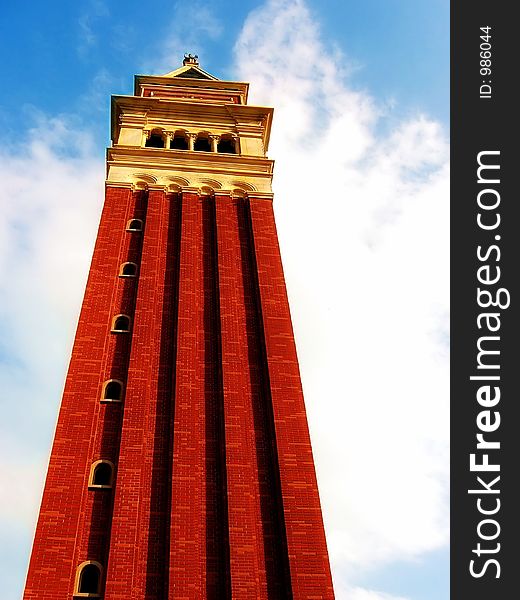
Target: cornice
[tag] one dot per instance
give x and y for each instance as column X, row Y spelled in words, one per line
column 260, row 196
column 132, row 119
column 254, row 119
column 165, row 106
column 120, row 184
column 190, row 189
column 186, row 82
column 186, row 160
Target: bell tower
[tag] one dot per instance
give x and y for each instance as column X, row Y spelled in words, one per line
column 181, row 466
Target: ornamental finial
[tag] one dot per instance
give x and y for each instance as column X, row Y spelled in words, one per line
column 190, row 59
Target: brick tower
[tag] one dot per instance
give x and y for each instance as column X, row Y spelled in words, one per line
column 182, row 466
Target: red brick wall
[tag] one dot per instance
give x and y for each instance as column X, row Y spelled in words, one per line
column 198, row 546
column 215, row 493
column 138, row 540
column 256, row 538
column 307, row 549
column 74, row 522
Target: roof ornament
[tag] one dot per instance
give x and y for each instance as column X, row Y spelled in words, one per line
column 190, row 59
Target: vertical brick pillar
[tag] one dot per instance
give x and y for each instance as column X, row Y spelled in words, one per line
column 197, row 538
column 136, row 569
column 307, row 550
column 64, row 526
column 188, row 518
column 247, row 562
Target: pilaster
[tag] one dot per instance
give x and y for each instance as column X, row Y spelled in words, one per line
column 139, row 537
column 306, row 545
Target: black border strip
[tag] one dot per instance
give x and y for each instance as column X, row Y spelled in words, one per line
column 485, row 511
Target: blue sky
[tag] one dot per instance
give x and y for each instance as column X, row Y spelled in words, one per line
column 58, row 53
column 369, row 294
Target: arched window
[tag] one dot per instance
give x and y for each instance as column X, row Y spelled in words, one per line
column 101, row 474
column 227, row 144
column 88, row 580
column 112, row 391
column 134, row 225
column 156, row 139
column 179, row 141
column 128, row 269
column 121, row 324
column 202, row 143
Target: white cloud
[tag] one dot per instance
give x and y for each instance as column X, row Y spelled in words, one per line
column 357, row 593
column 363, row 224
column 51, row 195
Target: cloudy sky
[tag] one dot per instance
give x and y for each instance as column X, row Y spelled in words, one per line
column 360, row 91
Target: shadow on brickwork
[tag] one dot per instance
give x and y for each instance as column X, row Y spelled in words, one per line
column 271, row 505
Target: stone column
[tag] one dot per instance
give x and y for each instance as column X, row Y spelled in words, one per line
column 168, row 137
column 191, row 140
column 214, row 142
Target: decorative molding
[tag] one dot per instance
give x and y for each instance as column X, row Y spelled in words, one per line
column 179, row 180
column 159, row 188
column 119, row 184
column 251, row 122
column 147, row 158
column 260, row 196
column 216, row 185
column 158, row 168
column 207, row 191
column 249, row 187
column 190, row 190
column 146, row 177
column 239, row 88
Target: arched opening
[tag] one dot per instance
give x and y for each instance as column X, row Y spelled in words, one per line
column 121, row 324
column 179, row 141
column 101, row 474
column 128, row 269
column 134, row 225
column 88, row 579
column 227, row 145
column 112, row 391
column 155, row 140
column 202, row 143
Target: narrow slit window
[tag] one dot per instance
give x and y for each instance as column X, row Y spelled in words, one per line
column 128, row 269
column 101, row 474
column 121, row 324
column 112, row 391
column 134, row 225
column 88, row 580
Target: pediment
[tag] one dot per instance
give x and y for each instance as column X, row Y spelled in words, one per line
column 191, row 72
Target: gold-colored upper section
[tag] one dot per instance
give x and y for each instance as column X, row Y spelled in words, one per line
column 190, row 126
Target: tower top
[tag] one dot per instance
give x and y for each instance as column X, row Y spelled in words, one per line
column 190, row 123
